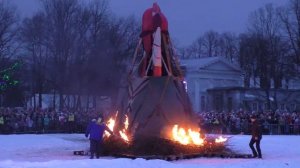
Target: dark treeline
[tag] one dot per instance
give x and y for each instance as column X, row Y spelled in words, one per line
column 268, row 51
column 68, row 47
column 79, row 48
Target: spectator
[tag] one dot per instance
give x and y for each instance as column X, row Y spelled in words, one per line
column 96, row 130
column 16, row 120
column 71, row 122
column 46, row 122
column 256, row 137
column 29, row 123
column 1, row 122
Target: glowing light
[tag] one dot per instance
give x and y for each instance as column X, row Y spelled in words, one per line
column 220, row 140
column 123, row 132
column 126, row 122
column 111, row 124
column 185, row 85
column 195, row 136
column 186, row 137
column 124, row 136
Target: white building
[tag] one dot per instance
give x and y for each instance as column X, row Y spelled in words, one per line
column 208, row 73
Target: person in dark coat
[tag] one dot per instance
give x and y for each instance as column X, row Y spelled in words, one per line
column 256, row 137
column 96, row 130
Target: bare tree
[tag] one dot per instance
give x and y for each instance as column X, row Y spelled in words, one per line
column 61, row 16
column 9, row 84
column 33, row 36
column 246, row 59
column 210, row 43
column 214, row 44
column 268, row 49
column 196, row 49
column 250, row 51
column 98, row 61
column 80, row 57
column 229, row 46
column 71, row 48
column 124, row 37
column 8, row 32
column 290, row 17
column 207, row 45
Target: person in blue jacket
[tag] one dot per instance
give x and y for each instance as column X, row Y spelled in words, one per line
column 96, row 130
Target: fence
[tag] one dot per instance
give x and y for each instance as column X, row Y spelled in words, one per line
column 66, row 127
column 267, row 129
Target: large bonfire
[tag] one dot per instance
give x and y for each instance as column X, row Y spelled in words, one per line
column 156, row 115
column 180, row 141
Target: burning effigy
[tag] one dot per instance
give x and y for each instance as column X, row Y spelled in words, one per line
column 157, row 117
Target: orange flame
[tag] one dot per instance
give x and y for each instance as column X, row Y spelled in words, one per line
column 186, row 137
column 220, row 140
column 123, row 132
column 111, row 124
column 126, row 122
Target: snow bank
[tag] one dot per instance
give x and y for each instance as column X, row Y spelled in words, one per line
column 55, row 150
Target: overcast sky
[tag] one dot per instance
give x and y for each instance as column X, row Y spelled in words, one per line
column 188, row 19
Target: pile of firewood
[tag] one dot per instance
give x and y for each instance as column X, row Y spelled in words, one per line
column 149, row 146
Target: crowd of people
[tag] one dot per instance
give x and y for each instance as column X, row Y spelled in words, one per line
column 278, row 122
column 20, row 120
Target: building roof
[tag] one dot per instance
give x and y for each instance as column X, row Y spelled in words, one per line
column 251, row 88
column 202, row 63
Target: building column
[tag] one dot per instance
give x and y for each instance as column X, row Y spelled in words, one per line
column 197, row 96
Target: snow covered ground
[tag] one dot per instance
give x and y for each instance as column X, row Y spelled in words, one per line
column 55, row 150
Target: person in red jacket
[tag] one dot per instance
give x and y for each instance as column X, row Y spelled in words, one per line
column 256, row 137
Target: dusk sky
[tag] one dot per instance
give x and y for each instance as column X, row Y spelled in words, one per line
column 188, row 19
